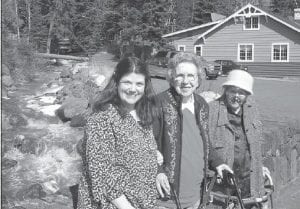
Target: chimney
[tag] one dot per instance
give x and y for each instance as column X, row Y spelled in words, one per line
column 297, row 14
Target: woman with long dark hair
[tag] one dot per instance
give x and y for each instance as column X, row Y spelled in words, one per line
column 120, row 156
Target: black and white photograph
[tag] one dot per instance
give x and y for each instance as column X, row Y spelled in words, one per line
column 150, row 104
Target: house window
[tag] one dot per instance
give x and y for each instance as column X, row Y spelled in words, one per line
column 198, row 50
column 251, row 23
column 181, row 48
column 246, row 52
column 280, row 52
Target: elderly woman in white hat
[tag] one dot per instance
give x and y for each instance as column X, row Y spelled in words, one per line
column 236, row 132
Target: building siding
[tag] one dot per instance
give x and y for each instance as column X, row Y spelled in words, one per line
column 223, row 42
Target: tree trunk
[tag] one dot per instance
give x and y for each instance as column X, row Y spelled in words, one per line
column 17, row 20
column 49, row 39
column 28, row 2
column 193, row 12
column 58, row 56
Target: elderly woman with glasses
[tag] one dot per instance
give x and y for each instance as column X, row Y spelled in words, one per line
column 182, row 135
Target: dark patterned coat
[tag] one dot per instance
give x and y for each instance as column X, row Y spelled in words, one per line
column 222, row 138
column 120, row 158
column 168, row 132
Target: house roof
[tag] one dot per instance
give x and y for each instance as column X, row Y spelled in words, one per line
column 191, row 29
column 248, row 11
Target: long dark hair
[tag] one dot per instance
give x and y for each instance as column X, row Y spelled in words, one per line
column 145, row 107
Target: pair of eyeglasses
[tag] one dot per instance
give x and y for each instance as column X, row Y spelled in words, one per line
column 189, row 77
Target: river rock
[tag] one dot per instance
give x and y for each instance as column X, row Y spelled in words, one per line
column 61, row 115
column 35, row 191
column 8, row 163
column 7, row 81
column 5, row 70
column 17, row 120
column 74, row 106
column 78, row 121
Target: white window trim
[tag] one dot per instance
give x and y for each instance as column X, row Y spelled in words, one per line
column 244, row 25
column 288, row 52
column 178, row 47
column 238, row 52
column 201, row 52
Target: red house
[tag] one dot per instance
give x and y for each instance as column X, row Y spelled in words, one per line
column 250, row 36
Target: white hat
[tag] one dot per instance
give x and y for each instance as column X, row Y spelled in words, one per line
column 240, row 79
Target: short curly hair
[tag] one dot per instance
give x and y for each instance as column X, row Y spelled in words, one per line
column 180, row 58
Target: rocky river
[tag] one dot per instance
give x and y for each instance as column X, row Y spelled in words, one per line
column 42, row 121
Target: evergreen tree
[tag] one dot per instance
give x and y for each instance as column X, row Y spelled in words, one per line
column 201, row 8
column 284, row 7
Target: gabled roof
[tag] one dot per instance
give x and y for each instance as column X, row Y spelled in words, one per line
column 191, row 29
column 248, row 11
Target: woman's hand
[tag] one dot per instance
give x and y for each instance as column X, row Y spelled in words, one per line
column 160, row 158
column 266, row 171
column 220, row 169
column 162, row 183
column 223, row 167
column 122, row 203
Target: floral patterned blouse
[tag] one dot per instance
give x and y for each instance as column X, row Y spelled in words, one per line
column 120, row 158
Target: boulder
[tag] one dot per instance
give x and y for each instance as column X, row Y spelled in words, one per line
column 74, row 106
column 61, row 115
column 7, row 81
column 78, row 121
column 34, row 191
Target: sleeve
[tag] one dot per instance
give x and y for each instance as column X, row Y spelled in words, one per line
column 108, row 179
column 158, row 133
column 215, row 157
